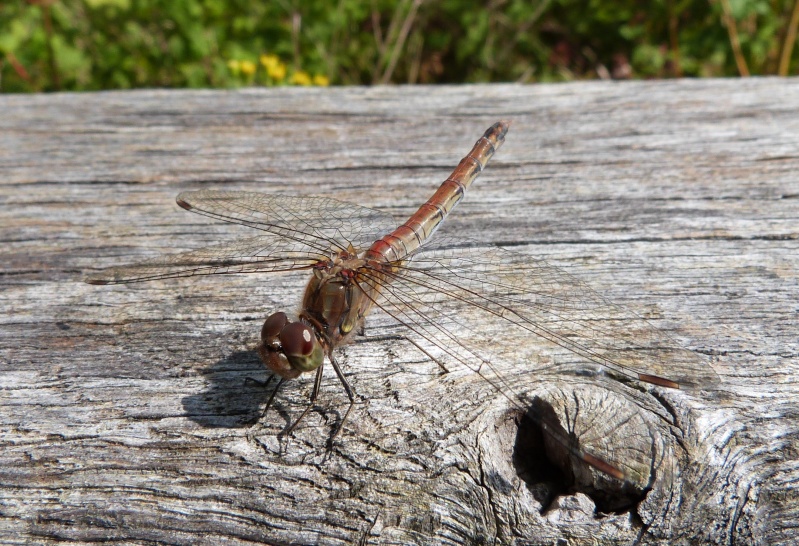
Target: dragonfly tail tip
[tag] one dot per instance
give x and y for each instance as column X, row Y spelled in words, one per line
column 604, row 466
column 659, row 381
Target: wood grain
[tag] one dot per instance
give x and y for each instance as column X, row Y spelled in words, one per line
column 126, row 410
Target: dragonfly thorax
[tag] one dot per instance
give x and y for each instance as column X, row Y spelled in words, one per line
column 333, row 297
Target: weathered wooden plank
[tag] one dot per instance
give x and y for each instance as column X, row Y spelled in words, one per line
column 126, row 411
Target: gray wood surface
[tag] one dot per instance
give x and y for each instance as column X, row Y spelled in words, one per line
column 126, row 410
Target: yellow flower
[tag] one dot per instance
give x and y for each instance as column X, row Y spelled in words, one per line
column 234, row 66
column 247, row 68
column 275, row 69
column 277, row 72
column 321, row 81
column 269, row 61
column 300, row 78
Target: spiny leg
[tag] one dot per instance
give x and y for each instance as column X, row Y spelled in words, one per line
column 315, row 394
column 272, row 396
column 349, row 391
column 312, row 400
column 263, row 385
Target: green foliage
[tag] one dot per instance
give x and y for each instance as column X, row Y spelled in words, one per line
column 105, row 44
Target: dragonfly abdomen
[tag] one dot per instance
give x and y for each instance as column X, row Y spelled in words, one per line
column 425, row 221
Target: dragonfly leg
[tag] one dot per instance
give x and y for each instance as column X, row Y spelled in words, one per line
column 272, row 396
column 262, row 384
column 350, row 395
column 314, row 393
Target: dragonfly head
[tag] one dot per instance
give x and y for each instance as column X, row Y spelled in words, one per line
column 289, row 348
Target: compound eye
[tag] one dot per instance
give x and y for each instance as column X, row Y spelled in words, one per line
column 273, row 325
column 296, row 339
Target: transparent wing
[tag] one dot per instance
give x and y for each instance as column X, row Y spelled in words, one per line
column 478, row 306
column 301, row 231
column 328, row 221
column 262, row 253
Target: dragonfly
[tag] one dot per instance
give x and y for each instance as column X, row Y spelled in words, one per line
column 460, row 302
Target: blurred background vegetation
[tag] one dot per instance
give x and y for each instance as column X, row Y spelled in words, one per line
column 48, row 45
